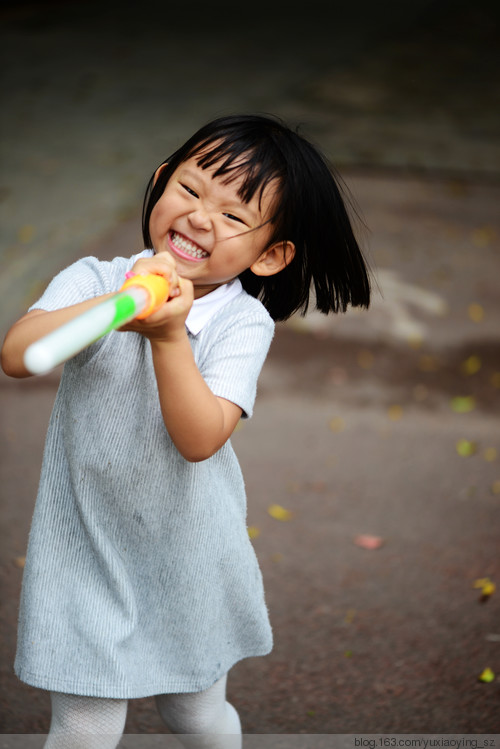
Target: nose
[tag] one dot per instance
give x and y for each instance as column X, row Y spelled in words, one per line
column 200, row 219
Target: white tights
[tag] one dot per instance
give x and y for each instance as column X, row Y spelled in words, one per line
column 203, row 720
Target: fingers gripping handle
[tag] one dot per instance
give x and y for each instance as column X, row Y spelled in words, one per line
column 139, row 297
column 157, row 288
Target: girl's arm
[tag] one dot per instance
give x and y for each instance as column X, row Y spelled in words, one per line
column 198, row 421
column 33, row 326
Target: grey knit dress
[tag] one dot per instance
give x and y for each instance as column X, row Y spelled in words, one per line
column 140, row 578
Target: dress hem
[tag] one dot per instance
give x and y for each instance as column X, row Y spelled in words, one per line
column 64, row 686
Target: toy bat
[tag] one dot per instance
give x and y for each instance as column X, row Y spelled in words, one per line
column 139, row 297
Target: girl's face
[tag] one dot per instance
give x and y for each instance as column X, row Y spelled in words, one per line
column 212, row 234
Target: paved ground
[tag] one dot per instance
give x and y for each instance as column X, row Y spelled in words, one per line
column 367, row 415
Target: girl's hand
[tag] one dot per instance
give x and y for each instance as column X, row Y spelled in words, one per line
column 168, row 322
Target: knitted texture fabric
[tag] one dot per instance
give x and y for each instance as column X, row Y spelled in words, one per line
column 140, row 578
column 85, row 722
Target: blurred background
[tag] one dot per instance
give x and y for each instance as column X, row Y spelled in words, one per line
column 384, row 424
column 96, row 94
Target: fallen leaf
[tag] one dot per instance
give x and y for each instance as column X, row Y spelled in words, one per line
column 348, row 654
column 463, row 404
column 253, row 531
column 480, row 582
column 395, row 413
column 19, row 562
column 471, row 365
column 484, row 236
column 337, row 424
column 350, row 614
column 365, row 541
column 487, row 675
column 26, row 233
column 466, row 448
column 279, row 513
column 488, row 589
column 490, row 454
column 486, row 586
column 476, row 312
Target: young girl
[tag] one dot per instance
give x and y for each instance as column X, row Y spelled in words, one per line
column 140, row 578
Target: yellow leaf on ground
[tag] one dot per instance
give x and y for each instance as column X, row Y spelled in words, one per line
column 466, row 448
column 337, row 424
column 487, row 675
column 481, row 582
column 395, row 413
column 253, row 531
column 488, row 589
column 484, row 236
column 476, row 312
column 471, row 365
column 486, row 586
column 279, row 513
column 26, row 233
column 490, row 454
column 463, row 404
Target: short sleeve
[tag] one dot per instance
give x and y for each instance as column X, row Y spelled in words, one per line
column 234, row 359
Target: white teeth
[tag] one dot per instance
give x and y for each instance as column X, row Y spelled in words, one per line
column 187, row 246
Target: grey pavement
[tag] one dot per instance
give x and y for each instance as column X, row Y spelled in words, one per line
column 382, row 423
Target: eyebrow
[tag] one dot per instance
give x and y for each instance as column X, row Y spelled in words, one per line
column 238, row 204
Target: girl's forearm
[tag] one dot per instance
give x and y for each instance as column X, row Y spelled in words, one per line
column 198, row 422
column 33, row 326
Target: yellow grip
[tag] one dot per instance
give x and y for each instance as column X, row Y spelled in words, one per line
column 157, row 287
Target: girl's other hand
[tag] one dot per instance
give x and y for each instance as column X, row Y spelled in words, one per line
column 168, row 322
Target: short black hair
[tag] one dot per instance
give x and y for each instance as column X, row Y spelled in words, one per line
column 310, row 211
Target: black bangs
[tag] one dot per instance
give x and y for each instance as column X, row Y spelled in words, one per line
column 252, row 158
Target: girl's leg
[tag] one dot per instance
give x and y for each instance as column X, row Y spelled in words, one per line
column 85, row 722
column 205, row 718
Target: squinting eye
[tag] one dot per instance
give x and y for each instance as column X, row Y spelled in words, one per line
column 188, row 189
column 234, row 218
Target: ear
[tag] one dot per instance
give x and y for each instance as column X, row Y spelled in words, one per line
column 159, row 171
column 274, row 259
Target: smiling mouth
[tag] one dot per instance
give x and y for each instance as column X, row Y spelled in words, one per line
column 184, row 247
